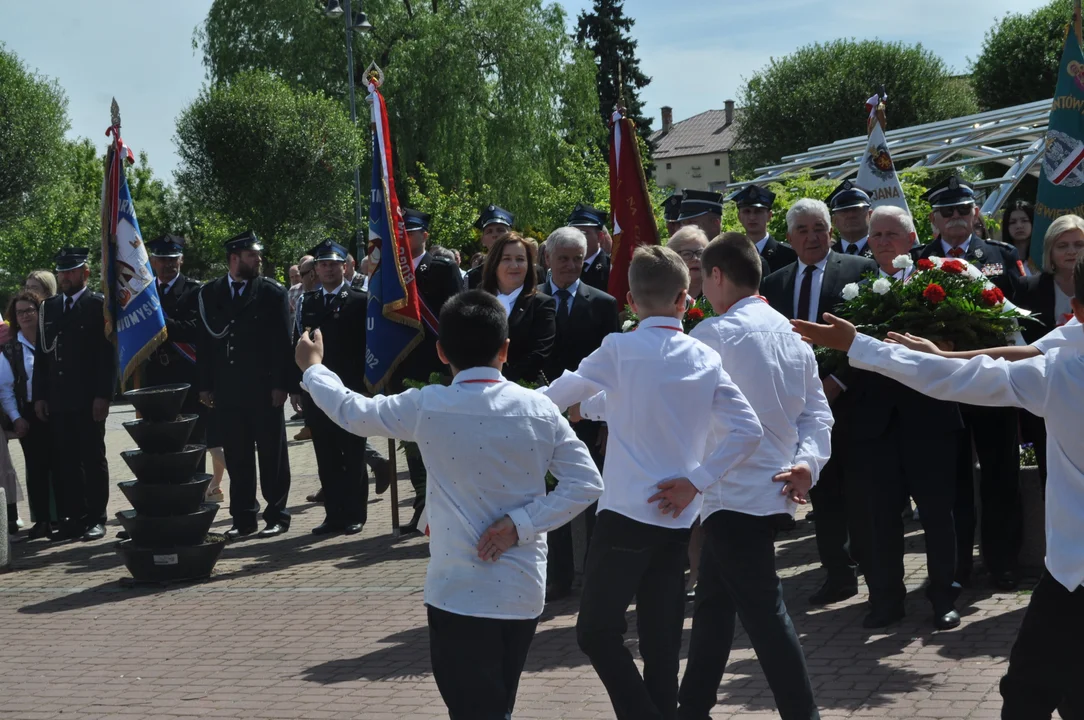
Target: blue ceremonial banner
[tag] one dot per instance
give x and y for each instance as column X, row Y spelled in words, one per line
column 133, row 313
column 1061, row 180
column 394, row 324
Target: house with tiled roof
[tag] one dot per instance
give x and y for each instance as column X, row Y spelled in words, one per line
column 695, row 153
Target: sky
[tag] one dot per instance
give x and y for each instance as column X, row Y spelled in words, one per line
column 697, row 52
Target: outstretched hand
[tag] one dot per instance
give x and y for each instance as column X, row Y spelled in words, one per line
column 310, row 350
column 674, row 495
column 498, row 538
column 914, row 342
column 838, row 334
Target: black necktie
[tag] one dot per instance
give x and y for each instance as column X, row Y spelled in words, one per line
column 804, row 292
column 238, row 288
column 852, row 249
column 562, row 306
column 327, row 300
column 68, row 303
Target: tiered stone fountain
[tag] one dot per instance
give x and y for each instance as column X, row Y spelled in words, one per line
column 167, row 529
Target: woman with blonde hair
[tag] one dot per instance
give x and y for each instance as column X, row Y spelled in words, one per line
column 40, row 282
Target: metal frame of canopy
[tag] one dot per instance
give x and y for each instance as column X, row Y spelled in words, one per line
column 1014, row 137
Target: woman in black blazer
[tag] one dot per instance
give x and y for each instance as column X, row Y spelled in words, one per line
column 1047, row 295
column 509, row 273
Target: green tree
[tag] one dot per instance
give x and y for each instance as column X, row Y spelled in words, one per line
column 1020, row 56
column 814, row 96
column 269, row 157
column 488, row 91
column 606, row 32
column 33, row 120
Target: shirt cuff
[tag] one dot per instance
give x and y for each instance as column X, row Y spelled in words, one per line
column 863, row 349
column 524, row 527
column 702, row 479
column 841, row 385
column 307, row 376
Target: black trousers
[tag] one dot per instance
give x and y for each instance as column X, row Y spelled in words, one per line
column 633, row 559
column 477, row 662
column 418, row 477
column 561, row 557
column 244, row 432
column 1046, row 662
column 1033, row 430
column 838, row 502
column 738, row 579
column 36, row 454
column 901, row 471
column 340, row 461
column 80, row 469
column 994, row 432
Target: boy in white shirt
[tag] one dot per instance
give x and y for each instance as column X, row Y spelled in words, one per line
column 665, row 393
column 1046, row 662
column 488, row 444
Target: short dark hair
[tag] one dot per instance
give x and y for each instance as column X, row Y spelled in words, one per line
column 1078, row 278
column 493, row 261
column 473, row 328
column 32, row 298
column 736, row 257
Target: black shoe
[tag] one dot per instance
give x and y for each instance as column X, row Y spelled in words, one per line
column 68, row 531
column 831, row 592
column 123, row 535
column 382, row 473
column 353, row 528
column 558, row 592
column 882, row 617
column 412, row 526
column 236, row 532
column 316, row 497
column 273, row 529
column 1005, row 580
column 946, row 620
column 94, row 532
column 785, row 523
column 296, row 416
column 324, row 528
column 38, row 531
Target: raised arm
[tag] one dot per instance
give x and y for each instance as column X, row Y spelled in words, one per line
column 393, row 416
column 595, row 374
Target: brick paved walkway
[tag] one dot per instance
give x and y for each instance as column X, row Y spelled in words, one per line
column 301, row 627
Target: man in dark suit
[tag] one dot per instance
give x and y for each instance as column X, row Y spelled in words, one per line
column 882, row 456
column 850, row 209
column 585, row 315
column 994, row 431
column 338, row 311
column 704, row 210
column 75, row 375
column 246, row 372
column 174, row 361
column 438, row 279
column 754, row 214
column 596, row 265
column 807, row 288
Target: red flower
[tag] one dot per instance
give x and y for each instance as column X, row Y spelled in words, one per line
column 990, row 297
column 694, row 314
column 925, row 264
column 953, row 266
column 934, row 293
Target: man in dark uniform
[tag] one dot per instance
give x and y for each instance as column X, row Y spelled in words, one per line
column 438, row 279
column 338, row 311
column 671, row 211
column 805, row 289
column 75, row 376
column 493, row 222
column 585, row 315
column 596, row 265
column 754, row 214
column 703, row 209
column 994, row 431
column 174, row 361
column 246, row 372
column 850, row 208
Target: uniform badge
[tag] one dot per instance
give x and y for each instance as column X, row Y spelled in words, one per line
column 953, row 183
column 979, row 253
column 993, row 269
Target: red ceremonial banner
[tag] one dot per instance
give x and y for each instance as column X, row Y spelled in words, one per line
column 632, row 211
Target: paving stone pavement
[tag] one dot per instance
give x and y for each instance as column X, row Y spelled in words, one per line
column 306, row 627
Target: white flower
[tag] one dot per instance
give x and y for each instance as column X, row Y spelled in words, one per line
column 903, row 262
column 881, row 286
column 850, row 291
column 627, row 325
column 936, row 260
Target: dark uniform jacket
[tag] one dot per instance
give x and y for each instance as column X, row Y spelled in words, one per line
column 1036, row 293
column 341, row 322
column 245, row 348
column 778, row 255
column 532, row 327
column 998, row 261
column 597, row 274
column 74, row 362
column 167, row 364
column 438, row 279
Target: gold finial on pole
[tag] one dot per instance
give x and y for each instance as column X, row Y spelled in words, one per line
column 114, row 113
column 373, row 73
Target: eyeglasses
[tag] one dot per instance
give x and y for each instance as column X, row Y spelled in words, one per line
column 25, row 312
column 961, row 210
column 691, row 254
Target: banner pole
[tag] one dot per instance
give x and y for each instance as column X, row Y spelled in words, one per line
column 394, row 487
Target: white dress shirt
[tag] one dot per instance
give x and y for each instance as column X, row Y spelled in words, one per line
column 860, row 245
column 900, row 275
column 664, row 390
column 1069, row 334
column 587, row 262
column 7, row 379
column 551, row 290
column 761, row 243
column 946, row 248
column 777, row 373
column 235, row 291
column 487, row 444
column 1050, row 386
column 814, row 290
column 75, row 297
column 509, row 300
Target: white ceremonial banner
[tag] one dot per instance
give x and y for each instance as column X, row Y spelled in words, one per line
column 877, row 175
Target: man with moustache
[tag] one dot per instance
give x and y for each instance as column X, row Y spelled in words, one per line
column 754, row 214
column 246, row 372
column 812, row 285
column 596, row 265
column 994, row 431
column 850, row 208
column 75, row 375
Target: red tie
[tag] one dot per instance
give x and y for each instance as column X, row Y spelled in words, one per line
column 956, row 252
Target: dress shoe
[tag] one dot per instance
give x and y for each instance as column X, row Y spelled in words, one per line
column 882, row 617
column 785, row 523
column 316, row 497
column 353, row 528
column 382, row 472
column 324, row 528
column 94, row 532
column 831, row 592
column 39, row 530
column 67, row 531
column 557, row 592
column 236, row 532
column 296, row 416
column 946, row 620
column 273, row 529
column 123, row 535
column 304, row 434
column 412, row 526
column 1005, row 580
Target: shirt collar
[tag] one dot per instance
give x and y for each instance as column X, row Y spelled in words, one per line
column 898, row 275
column 820, row 266
column 478, row 373
column 762, row 242
column 336, row 291
column 947, row 248
column 417, row 261
column 24, row 341
column 847, row 243
column 751, row 300
column 167, row 285
column 572, row 289
column 591, row 259
column 235, row 280
column 660, row 321
column 512, row 295
column 76, row 296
